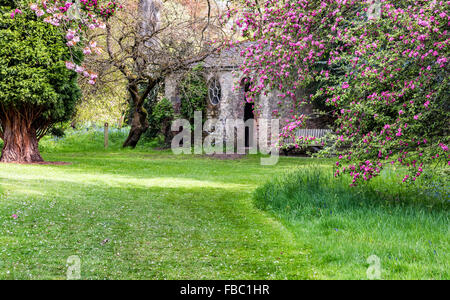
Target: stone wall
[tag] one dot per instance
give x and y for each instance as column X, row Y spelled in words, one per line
column 171, row 91
column 231, row 106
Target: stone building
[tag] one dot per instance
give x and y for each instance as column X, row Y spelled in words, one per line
column 226, row 97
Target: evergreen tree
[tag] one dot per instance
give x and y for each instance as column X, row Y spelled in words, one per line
column 36, row 88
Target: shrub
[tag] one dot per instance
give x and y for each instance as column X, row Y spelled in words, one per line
column 193, row 90
column 162, row 117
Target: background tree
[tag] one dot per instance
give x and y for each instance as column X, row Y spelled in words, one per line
column 36, row 88
column 103, row 102
column 162, row 114
column 147, row 41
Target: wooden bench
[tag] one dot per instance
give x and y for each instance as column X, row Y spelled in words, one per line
column 317, row 133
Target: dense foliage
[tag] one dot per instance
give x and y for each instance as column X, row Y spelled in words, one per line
column 162, row 116
column 33, row 78
column 103, row 102
column 382, row 66
column 193, row 90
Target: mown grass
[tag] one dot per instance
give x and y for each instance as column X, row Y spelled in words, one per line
column 407, row 227
column 163, row 216
column 146, row 214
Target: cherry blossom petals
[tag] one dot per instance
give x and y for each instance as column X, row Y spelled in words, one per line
column 90, row 15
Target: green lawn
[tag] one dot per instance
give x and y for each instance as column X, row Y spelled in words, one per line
column 145, row 214
column 166, row 217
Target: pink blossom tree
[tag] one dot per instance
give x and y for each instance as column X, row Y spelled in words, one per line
column 380, row 67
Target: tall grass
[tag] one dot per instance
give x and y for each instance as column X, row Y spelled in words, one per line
column 406, row 226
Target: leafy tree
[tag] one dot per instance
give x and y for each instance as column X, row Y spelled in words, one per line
column 149, row 40
column 103, row 102
column 193, row 91
column 151, row 102
column 36, row 88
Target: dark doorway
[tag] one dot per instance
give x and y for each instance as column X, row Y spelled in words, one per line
column 248, row 111
column 248, row 115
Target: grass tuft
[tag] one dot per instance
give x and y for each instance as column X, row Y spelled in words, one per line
column 406, row 226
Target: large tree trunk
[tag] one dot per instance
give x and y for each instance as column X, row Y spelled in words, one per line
column 139, row 121
column 20, row 141
column 139, row 125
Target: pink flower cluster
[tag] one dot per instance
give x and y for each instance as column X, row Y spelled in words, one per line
column 59, row 13
column 15, row 12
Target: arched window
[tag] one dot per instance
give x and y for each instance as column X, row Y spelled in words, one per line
column 214, row 91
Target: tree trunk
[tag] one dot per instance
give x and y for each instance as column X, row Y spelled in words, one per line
column 139, row 121
column 168, row 134
column 139, row 125
column 20, row 141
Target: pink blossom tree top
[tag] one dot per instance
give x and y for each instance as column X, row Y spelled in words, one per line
column 75, row 17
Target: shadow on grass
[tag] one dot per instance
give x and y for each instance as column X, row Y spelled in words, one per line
column 246, row 171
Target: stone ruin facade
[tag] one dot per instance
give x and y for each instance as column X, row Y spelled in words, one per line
column 226, row 99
